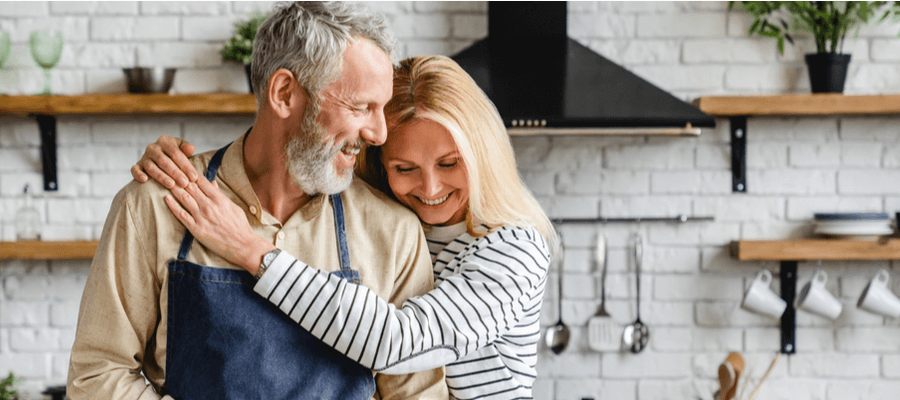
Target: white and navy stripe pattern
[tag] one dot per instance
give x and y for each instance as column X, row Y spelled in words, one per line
column 481, row 320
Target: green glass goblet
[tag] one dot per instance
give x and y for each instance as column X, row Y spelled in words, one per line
column 46, row 49
column 5, row 48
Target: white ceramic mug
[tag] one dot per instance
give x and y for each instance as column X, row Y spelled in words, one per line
column 760, row 298
column 877, row 297
column 816, row 299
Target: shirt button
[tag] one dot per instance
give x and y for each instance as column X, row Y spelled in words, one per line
column 253, row 210
column 281, row 235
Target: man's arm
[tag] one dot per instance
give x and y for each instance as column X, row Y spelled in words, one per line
column 118, row 314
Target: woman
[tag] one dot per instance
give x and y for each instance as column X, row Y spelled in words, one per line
column 448, row 158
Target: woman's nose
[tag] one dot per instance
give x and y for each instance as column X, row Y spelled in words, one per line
column 431, row 183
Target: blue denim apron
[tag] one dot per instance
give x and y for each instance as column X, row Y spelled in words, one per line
column 225, row 341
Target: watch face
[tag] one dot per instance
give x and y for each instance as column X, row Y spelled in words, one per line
column 269, row 257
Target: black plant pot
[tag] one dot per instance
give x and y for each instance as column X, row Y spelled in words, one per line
column 827, row 71
column 249, row 80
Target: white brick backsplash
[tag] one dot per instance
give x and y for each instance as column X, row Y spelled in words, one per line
column 723, row 50
column 765, row 79
column 645, row 206
column 601, row 26
column 856, row 154
column 791, row 389
column 540, row 183
column 891, row 156
column 23, row 8
column 135, row 28
column 64, row 314
column 207, row 28
column 98, row 158
column 797, row 182
column 875, row 78
column 885, row 50
column 439, row 6
column 32, row 340
column 890, row 365
column 94, row 7
column 832, row 365
column 676, row 77
column 697, row 287
column 701, row 24
column 804, row 208
column 578, row 183
column 24, row 313
column 650, row 157
column 121, row 55
column 25, row 365
column 189, row 7
column 666, row 389
column 775, row 229
column 671, row 339
column 646, row 365
column 714, row 157
column 594, row 388
column 105, row 81
column 814, row 155
column 231, row 80
column 619, row 182
column 861, row 390
column 732, row 208
column 663, row 313
column 422, row 26
column 569, row 364
column 66, row 211
column 634, row 52
column 876, row 129
column 691, row 182
column 868, row 181
column 182, row 55
column 571, row 206
column 73, row 29
column 671, row 259
column 868, row 340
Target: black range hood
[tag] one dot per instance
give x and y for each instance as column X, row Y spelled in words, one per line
column 540, row 78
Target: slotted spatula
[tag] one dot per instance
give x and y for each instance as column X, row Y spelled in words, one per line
column 604, row 334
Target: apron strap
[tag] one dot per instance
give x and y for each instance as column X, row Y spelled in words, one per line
column 341, row 232
column 211, row 171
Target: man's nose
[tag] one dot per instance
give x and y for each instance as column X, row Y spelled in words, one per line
column 376, row 132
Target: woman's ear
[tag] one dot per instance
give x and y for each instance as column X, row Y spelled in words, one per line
column 284, row 93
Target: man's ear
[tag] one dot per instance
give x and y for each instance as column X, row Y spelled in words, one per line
column 284, row 94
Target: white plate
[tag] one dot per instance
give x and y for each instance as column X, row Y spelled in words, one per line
column 854, row 230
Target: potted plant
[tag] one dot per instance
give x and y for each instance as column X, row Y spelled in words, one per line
column 8, row 390
column 239, row 48
column 829, row 22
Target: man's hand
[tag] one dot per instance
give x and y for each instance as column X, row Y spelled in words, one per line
column 166, row 161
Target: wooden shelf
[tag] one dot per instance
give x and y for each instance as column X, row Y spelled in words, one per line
column 799, row 104
column 38, row 250
column 130, row 104
column 816, row 249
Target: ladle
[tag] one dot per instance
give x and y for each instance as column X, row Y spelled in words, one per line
column 637, row 334
column 557, row 336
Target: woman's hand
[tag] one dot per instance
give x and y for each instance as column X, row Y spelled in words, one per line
column 218, row 223
column 166, row 161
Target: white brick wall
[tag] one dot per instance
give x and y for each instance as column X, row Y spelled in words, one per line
column 691, row 287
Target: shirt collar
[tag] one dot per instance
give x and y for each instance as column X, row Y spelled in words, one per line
column 234, row 174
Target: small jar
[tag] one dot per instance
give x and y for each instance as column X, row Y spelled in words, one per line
column 28, row 220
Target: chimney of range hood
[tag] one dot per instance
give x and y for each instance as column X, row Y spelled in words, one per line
column 540, row 78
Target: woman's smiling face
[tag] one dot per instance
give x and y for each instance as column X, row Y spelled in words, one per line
column 426, row 172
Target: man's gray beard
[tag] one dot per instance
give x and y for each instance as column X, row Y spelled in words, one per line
column 310, row 159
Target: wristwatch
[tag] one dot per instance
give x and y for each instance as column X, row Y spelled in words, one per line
column 266, row 262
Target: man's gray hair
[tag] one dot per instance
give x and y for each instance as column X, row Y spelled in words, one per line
column 309, row 38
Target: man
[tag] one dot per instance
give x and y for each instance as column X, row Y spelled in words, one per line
column 161, row 306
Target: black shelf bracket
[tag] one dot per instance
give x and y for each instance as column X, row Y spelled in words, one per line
column 788, row 275
column 47, row 125
column 739, row 154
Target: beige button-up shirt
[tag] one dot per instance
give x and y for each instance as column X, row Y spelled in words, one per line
column 122, row 321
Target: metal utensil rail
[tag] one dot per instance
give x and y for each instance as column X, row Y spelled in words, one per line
column 676, row 219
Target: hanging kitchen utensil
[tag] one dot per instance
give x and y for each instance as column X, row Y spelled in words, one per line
column 604, row 334
column 730, row 376
column 557, row 336
column 768, row 371
column 637, row 334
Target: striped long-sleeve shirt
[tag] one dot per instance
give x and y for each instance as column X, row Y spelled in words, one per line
column 481, row 320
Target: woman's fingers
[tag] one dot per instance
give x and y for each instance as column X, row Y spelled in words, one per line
column 180, row 213
column 138, row 174
column 151, row 169
column 178, row 152
column 188, row 201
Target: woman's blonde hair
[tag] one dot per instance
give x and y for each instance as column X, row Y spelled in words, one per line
column 437, row 89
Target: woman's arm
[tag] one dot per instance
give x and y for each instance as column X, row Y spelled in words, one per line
column 470, row 309
column 480, row 302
